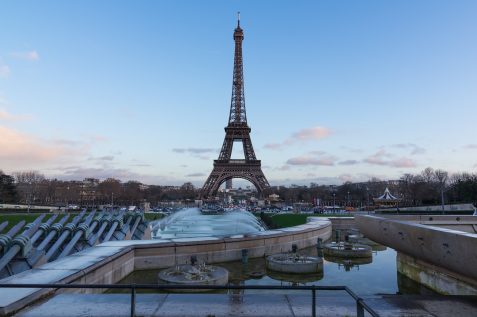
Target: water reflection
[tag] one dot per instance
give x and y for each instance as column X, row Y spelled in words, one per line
column 375, row 276
column 348, row 263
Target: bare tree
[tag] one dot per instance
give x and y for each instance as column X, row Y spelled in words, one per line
column 28, row 184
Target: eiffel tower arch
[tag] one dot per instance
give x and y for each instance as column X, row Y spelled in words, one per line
column 237, row 130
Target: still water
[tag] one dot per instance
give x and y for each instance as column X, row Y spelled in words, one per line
column 364, row 276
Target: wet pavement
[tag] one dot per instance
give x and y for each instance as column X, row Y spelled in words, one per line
column 276, row 305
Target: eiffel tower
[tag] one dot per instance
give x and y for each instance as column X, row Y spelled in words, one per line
column 237, row 130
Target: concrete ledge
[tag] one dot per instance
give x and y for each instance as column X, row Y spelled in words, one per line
column 452, row 250
column 440, row 280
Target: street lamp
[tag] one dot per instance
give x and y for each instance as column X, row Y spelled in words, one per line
column 334, row 204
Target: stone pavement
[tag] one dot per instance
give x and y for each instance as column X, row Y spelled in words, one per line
column 263, row 305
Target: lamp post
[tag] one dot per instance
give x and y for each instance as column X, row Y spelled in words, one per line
column 334, row 204
column 29, row 195
column 367, row 197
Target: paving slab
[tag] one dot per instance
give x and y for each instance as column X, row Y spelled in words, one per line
column 34, row 276
column 248, row 305
column 99, row 250
column 110, row 305
column 127, row 243
column 73, row 262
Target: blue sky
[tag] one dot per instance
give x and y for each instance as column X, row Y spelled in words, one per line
column 335, row 90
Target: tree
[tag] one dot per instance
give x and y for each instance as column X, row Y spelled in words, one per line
column 8, row 191
column 28, row 184
column 110, row 188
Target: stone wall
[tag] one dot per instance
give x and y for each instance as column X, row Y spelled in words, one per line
column 451, row 250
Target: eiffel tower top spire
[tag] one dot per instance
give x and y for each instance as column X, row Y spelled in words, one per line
column 238, row 115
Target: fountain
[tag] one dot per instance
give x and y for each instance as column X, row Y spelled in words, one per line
column 192, row 274
column 347, row 250
column 191, row 223
column 294, row 263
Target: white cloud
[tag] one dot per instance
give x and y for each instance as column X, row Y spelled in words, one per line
column 195, row 175
column 4, row 70
column 384, row 158
column 304, row 135
column 414, row 148
column 6, row 116
column 349, row 162
column 17, row 147
column 29, row 55
column 312, row 160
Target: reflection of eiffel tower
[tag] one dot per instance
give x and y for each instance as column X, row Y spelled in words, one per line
column 237, row 130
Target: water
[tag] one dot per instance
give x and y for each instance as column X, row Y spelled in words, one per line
column 366, row 277
column 190, row 223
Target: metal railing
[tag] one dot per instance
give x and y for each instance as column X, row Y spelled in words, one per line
column 361, row 306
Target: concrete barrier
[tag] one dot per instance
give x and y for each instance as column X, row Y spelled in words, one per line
column 452, row 250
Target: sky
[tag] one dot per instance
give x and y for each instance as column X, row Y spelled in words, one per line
column 335, row 90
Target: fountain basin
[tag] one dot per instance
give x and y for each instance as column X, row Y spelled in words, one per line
column 194, row 275
column 347, row 250
column 294, row 264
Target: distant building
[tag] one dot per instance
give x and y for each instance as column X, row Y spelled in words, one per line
column 88, row 192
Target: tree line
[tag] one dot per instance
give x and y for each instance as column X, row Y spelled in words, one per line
column 429, row 187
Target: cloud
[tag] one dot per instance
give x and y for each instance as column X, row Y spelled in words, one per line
column 283, row 168
column 195, row 175
column 310, row 160
column 194, row 150
column 348, row 162
column 470, row 146
column 402, row 162
column 305, row 135
column 4, row 70
column 352, row 150
column 6, row 116
column 19, row 147
column 102, row 158
column 316, row 133
column 346, row 178
column 29, row 56
column 384, row 158
column 141, row 165
column 78, row 173
column 414, row 148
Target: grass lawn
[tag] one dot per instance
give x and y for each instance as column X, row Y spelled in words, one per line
column 13, row 219
column 150, row 216
column 288, row 220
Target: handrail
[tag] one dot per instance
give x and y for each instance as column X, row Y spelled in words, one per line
column 361, row 305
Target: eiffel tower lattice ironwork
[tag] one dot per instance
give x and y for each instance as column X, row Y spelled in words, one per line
column 237, row 130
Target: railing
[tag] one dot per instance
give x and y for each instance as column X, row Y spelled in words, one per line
column 361, row 306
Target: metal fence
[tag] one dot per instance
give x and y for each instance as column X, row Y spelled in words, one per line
column 361, row 306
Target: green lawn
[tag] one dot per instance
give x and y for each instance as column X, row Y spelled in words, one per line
column 150, row 216
column 288, row 220
column 13, row 219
